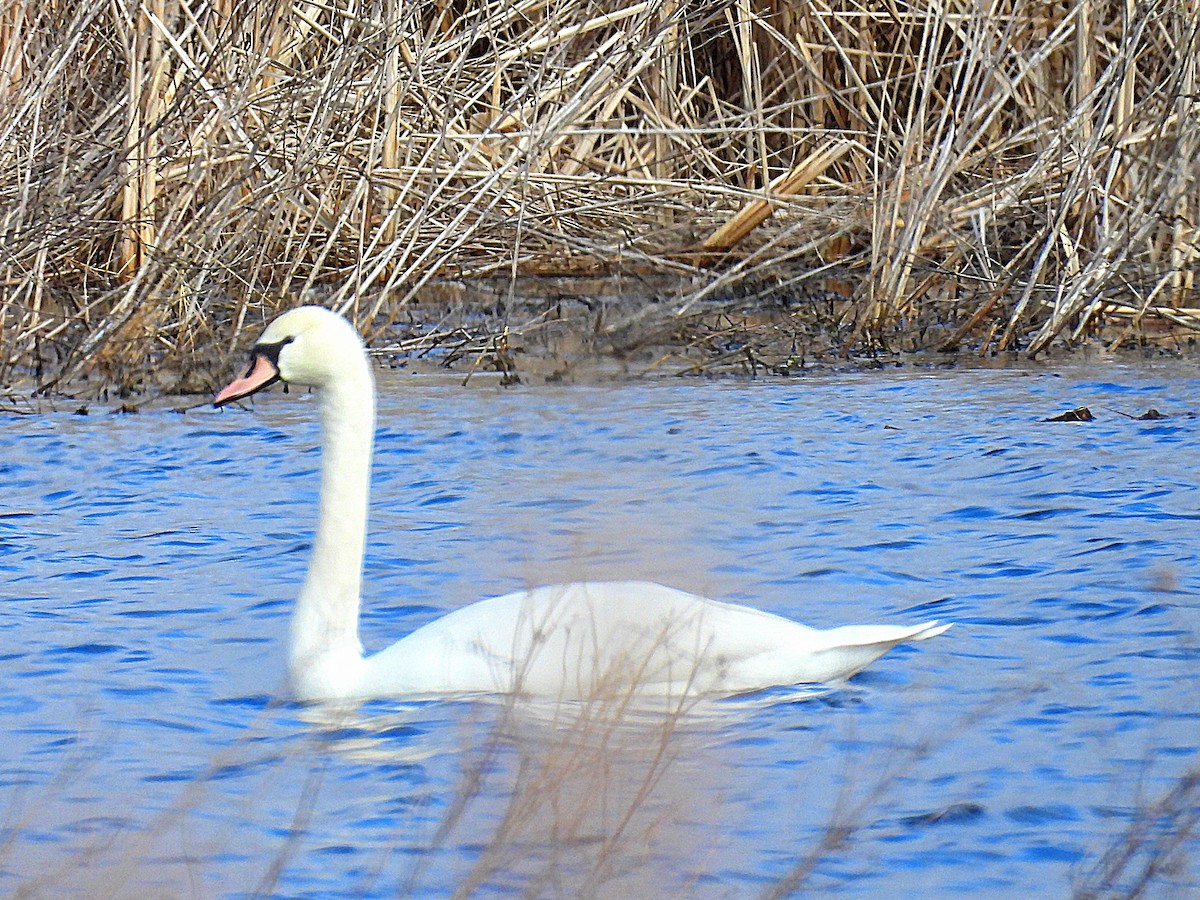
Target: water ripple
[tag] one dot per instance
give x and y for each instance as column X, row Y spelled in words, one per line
column 149, row 564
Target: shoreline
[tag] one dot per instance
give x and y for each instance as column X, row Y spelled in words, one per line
column 598, row 329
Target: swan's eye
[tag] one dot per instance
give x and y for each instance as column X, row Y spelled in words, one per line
column 271, row 351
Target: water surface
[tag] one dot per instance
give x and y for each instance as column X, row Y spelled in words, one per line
column 148, row 564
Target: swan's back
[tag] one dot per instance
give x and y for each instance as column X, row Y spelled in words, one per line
column 592, row 639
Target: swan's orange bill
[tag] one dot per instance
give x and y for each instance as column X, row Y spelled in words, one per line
column 262, row 372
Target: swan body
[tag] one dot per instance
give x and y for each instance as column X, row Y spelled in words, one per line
column 570, row 641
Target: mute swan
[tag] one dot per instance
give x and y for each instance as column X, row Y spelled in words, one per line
column 566, row 641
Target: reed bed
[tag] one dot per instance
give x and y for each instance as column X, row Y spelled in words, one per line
column 173, row 172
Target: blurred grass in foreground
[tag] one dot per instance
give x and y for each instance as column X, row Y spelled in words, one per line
column 589, row 799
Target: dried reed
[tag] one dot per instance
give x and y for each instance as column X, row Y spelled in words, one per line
column 172, row 173
column 1154, row 848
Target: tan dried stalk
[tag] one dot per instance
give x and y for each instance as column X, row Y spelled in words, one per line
column 172, row 173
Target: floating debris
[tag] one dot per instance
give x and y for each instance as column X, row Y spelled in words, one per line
column 955, row 812
column 1079, row 414
column 1149, row 415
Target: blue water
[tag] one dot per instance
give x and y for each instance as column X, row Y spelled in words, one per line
column 147, row 564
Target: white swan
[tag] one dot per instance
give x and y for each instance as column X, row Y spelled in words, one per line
column 567, row 641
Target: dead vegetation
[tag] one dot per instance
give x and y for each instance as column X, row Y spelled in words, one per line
column 172, row 173
column 1156, row 848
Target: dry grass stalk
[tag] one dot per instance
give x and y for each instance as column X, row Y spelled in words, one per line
column 1153, row 850
column 754, row 214
column 173, row 173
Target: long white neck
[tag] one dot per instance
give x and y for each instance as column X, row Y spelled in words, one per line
column 324, row 645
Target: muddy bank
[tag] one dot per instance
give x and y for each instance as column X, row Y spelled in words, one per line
column 582, row 328
column 579, row 328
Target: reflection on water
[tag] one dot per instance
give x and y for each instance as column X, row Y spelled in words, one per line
column 148, row 564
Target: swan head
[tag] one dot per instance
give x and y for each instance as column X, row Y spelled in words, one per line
column 310, row 346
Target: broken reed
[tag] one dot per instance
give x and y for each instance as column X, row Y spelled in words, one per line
column 172, row 172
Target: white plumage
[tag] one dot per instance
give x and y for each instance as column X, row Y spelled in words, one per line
column 575, row 641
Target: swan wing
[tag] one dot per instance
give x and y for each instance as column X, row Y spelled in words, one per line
column 590, row 639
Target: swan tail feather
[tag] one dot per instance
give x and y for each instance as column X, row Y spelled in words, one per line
column 866, row 635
